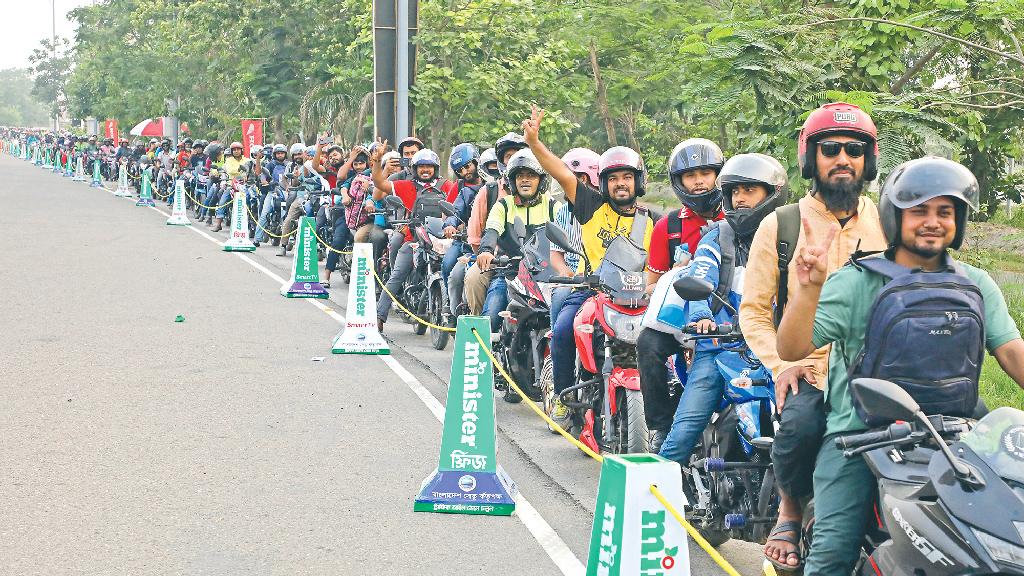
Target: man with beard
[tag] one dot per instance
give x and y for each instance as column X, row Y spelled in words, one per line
column 603, row 215
column 924, row 208
column 465, row 163
column 838, row 151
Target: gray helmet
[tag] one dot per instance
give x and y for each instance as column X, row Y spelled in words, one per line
column 486, row 158
column 296, row 148
column 525, row 160
column 280, row 148
column 510, row 141
column 692, row 154
column 917, row 181
column 752, row 169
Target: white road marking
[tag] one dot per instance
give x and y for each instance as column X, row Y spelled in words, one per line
column 556, row 548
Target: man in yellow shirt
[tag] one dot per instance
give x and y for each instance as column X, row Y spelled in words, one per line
column 232, row 167
column 838, row 152
column 603, row 215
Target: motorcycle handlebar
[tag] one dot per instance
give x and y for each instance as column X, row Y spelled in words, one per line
column 723, row 329
column 892, row 433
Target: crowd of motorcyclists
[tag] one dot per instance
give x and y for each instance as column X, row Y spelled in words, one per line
column 723, row 332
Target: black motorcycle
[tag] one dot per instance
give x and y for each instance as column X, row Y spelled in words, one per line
column 950, row 490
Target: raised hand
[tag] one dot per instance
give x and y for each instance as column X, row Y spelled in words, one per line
column 531, row 126
column 812, row 260
column 378, row 151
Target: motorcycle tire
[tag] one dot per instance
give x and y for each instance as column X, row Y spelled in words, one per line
column 547, row 388
column 438, row 338
column 632, row 425
column 418, row 327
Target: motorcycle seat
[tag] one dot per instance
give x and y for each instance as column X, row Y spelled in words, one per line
column 763, row 443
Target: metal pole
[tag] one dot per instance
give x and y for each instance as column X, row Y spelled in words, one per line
column 402, row 127
column 53, row 54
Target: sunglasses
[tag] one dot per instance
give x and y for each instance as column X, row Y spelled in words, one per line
column 831, row 148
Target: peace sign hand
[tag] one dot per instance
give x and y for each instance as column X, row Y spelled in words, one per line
column 812, row 260
column 378, row 151
column 531, row 126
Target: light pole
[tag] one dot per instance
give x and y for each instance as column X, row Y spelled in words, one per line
column 53, row 56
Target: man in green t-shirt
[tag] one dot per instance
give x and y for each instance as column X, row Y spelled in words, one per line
column 923, row 210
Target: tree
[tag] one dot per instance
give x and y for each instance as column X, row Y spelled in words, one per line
column 18, row 107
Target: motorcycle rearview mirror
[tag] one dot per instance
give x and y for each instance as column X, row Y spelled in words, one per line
column 558, row 237
column 394, row 202
column 447, row 208
column 698, row 289
column 435, row 226
column 519, row 230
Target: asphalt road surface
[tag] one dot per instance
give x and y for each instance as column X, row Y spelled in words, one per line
column 134, row 444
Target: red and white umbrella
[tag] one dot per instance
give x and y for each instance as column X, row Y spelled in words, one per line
column 153, row 127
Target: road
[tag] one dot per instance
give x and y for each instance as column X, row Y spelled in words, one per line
column 134, row 444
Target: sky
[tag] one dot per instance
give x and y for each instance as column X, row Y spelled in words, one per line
column 24, row 27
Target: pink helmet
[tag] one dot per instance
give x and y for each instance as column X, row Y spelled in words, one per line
column 583, row 160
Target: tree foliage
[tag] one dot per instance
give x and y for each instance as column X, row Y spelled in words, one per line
column 938, row 76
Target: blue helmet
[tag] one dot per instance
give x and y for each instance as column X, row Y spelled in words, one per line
column 311, row 151
column 463, row 154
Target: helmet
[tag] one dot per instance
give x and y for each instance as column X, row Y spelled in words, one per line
column 486, row 158
column 463, row 154
column 583, row 161
column 255, row 152
column 92, row 138
column 409, row 141
column 617, row 158
column 310, row 151
column 525, row 160
column 198, row 144
column 165, row 142
column 144, row 161
column 917, row 181
column 296, row 148
column 752, row 169
column 122, row 141
column 692, row 154
column 387, row 157
column 187, row 141
column 236, row 144
column 214, row 150
column 152, row 141
column 510, row 141
column 837, row 118
column 280, row 148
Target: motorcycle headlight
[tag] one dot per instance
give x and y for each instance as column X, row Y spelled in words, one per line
column 1001, row 550
column 627, row 328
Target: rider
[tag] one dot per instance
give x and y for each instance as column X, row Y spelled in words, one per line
column 304, row 178
column 407, row 148
column 122, row 152
column 273, row 171
column 752, row 186
column 344, row 171
column 233, row 166
column 923, row 209
column 463, row 161
column 693, row 167
column 489, row 164
column 165, row 158
column 529, row 184
column 838, row 152
column 420, row 197
column 357, row 195
column 585, row 164
column 603, row 214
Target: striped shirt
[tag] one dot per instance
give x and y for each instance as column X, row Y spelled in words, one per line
column 566, row 221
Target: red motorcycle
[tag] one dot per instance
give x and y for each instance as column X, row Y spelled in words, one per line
column 605, row 401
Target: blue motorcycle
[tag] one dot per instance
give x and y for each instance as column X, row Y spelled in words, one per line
column 729, row 481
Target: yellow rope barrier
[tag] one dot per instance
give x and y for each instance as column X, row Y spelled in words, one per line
column 269, row 233
column 722, row 562
column 406, row 310
column 193, row 198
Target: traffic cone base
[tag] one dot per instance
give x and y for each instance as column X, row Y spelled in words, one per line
column 633, row 533
column 122, row 183
column 468, row 479
column 360, row 334
column 238, row 240
column 305, row 279
column 146, row 194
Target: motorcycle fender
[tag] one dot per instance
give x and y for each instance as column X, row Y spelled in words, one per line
column 586, row 316
column 587, row 436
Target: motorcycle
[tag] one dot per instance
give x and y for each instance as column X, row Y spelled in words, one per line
column 605, row 401
column 729, row 479
column 950, row 490
column 523, row 341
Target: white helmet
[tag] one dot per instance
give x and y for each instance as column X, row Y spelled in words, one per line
column 387, row 158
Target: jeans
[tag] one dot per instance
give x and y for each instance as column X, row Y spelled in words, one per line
column 701, row 397
column 401, row 267
column 798, row 440
column 563, row 341
column 270, row 201
column 225, row 198
column 342, row 236
column 496, row 301
column 653, row 349
column 451, row 257
column 844, row 489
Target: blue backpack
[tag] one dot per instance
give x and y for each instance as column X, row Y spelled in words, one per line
column 926, row 333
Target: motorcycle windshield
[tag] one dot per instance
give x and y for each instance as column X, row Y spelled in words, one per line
column 622, row 271
column 998, row 439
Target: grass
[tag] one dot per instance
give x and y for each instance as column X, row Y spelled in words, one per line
column 996, row 387
column 991, row 259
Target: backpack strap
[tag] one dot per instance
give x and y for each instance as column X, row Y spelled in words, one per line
column 675, row 232
column 727, row 250
column 882, row 266
column 492, row 194
column 639, row 229
column 785, row 243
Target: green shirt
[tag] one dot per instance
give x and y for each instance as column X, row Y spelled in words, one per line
column 842, row 318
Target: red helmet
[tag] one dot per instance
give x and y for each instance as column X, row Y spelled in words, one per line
column 837, row 118
column 236, row 145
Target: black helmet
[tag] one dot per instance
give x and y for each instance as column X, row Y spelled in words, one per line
column 510, row 141
column 214, row 150
column 752, row 169
column 200, row 144
column 917, row 181
column 689, row 155
column 525, row 160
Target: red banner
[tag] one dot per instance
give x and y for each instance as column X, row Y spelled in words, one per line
column 252, row 134
column 110, row 130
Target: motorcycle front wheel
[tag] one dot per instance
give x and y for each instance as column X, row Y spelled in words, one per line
column 438, row 338
column 631, row 425
column 418, row 327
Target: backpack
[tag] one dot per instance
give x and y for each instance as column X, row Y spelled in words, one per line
column 926, row 333
column 428, row 202
column 785, row 242
column 492, row 195
column 727, row 264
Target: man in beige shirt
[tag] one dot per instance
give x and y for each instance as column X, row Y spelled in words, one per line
column 838, row 152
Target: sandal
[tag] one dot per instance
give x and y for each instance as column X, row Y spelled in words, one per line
column 777, row 535
column 326, row 284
